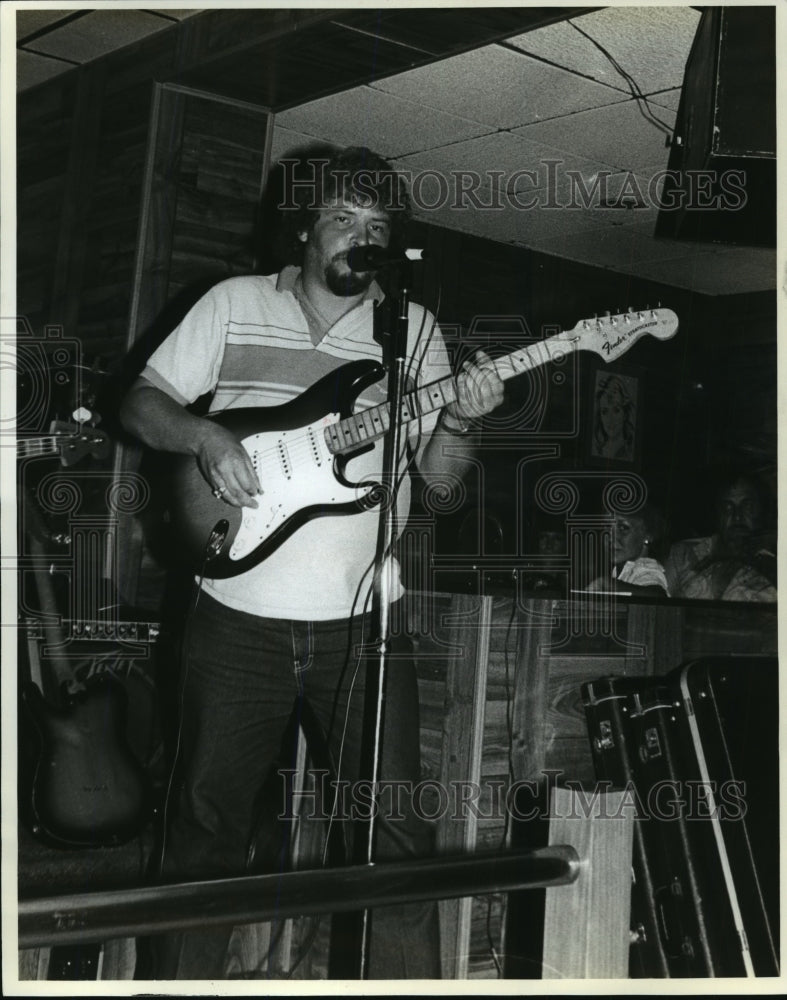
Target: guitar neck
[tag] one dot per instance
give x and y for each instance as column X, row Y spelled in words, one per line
column 60, row 669
column 70, row 441
column 369, row 425
column 49, row 444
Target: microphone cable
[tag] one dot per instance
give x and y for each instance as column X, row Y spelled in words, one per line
column 385, row 556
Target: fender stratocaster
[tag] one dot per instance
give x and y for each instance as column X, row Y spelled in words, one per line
column 300, row 449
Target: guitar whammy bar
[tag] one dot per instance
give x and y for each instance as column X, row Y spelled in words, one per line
column 698, row 751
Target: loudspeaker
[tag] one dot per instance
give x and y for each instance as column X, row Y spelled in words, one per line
column 721, row 180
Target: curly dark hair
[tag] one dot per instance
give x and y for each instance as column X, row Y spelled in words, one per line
column 316, row 177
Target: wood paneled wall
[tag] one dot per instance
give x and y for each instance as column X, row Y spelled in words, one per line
column 81, row 149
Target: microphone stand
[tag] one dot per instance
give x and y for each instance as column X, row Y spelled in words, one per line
column 390, row 330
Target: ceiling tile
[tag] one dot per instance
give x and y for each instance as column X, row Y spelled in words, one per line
column 97, row 33
column 666, row 98
column 620, row 247
column 524, row 227
column 617, row 198
column 30, row 21
column 504, row 162
column 392, row 126
column 499, row 87
column 650, row 43
column 750, row 269
column 618, row 135
column 32, row 69
column 286, row 142
column 532, row 104
column 180, row 15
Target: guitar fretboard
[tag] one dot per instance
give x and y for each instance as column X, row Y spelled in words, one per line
column 368, row 425
column 49, row 444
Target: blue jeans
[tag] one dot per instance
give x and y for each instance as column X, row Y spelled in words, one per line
column 243, row 675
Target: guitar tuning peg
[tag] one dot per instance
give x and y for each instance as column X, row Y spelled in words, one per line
column 81, row 415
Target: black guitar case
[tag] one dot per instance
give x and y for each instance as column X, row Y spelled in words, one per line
column 698, row 752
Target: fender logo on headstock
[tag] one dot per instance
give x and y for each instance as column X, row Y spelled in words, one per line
column 609, row 346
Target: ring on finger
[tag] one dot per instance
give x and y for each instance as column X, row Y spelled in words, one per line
column 219, row 492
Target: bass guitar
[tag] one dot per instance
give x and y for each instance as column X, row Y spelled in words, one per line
column 300, row 449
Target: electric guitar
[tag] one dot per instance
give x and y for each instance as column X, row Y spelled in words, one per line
column 70, row 441
column 300, row 449
column 86, row 789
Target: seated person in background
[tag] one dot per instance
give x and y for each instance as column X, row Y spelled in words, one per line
column 551, row 544
column 738, row 562
column 552, row 537
column 637, row 542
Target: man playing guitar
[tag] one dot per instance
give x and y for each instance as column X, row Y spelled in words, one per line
column 290, row 625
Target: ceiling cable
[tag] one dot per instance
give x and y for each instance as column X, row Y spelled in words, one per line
column 642, row 102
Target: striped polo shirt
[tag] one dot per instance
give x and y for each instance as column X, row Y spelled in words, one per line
column 249, row 342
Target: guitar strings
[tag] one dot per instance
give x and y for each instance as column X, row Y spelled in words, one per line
column 300, row 448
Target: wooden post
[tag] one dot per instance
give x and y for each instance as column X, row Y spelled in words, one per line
column 586, row 925
column 463, row 735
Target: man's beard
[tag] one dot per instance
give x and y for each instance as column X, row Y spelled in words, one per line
column 344, row 282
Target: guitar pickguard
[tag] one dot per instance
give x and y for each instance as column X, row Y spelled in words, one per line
column 297, row 472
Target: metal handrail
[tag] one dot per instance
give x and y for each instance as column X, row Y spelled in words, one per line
column 98, row 916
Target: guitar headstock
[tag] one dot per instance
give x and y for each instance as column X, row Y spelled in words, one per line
column 611, row 336
column 74, row 441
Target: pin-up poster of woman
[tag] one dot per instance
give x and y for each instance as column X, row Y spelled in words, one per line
column 614, row 417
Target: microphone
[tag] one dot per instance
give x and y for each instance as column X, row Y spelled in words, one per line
column 372, row 257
